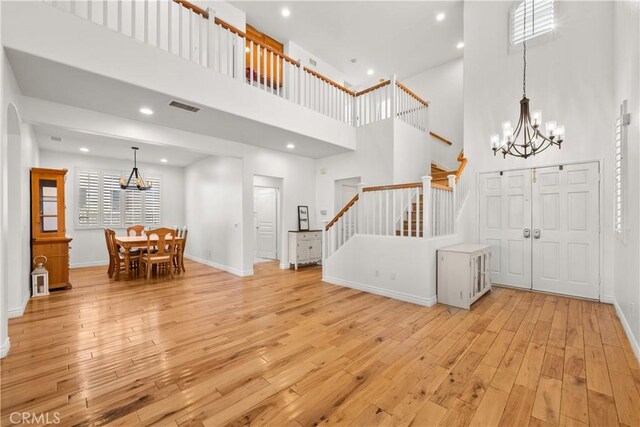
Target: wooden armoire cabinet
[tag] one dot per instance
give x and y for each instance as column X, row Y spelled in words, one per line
column 48, row 231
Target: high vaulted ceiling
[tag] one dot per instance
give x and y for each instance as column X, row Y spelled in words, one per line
column 401, row 37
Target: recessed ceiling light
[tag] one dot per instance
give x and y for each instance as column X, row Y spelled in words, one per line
column 164, row 160
column 84, row 149
column 460, row 45
column 370, row 71
column 291, row 146
column 285, row 12
column 146, row 111
column 440, row 17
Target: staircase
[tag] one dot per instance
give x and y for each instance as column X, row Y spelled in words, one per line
column 439, row 180
column 385, row 240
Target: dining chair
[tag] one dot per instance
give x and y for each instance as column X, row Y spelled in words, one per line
column 178, row 259
column 109, row 252
column 165, row 247
column 135, row 230
column 116, row 257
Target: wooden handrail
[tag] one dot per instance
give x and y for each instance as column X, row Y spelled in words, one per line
column 374, row 87
column 436, row 136
column 393, row 187
column 412, row 94
column 194, row 8
column 463, row 164
column 329, row 81
column 342, row 211
column 441, row 186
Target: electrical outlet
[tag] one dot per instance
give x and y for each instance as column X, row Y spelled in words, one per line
column 377, row 273
column 393, row 276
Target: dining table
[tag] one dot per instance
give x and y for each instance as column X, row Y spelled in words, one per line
column 135, row 242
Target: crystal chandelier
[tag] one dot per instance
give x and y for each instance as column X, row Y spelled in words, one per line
column 138, row 181
column 532, row 140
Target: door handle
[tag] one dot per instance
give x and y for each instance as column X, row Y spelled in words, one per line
column 536, row 233
column 526, row 233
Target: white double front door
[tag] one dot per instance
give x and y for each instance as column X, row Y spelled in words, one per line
column 543, row 228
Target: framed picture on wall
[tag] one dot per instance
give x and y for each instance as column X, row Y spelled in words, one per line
column 303, row 218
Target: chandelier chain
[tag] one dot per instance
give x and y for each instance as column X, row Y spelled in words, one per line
column 524, row 51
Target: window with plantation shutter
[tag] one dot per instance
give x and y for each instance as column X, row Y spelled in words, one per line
column 133, row 207
column 100, row 202
column 540, row 19
column 152, row 203
column 111, row 200
column 88, row 193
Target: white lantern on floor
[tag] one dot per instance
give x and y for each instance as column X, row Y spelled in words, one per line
column 39, row 277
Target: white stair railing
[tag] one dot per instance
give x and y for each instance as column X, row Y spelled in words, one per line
column 411, row 108
column 194, row 34
column 343, row 226
column 443, row 208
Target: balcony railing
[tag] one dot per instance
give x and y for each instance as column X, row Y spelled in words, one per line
column 194, row 34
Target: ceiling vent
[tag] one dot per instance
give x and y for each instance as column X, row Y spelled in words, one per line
column 313, row 62
column 55, row 138
column 183, row 106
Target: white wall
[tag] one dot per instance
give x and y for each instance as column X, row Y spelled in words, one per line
column 626, row 288
column 570, row 79
column 411, row 153
column 372, row 162
column 384, row 265
column 388, row 152
column 299, row 53
column 441, row 86
column 214, row 212
column 4, row 306
column 88, row 247
column 22, row 154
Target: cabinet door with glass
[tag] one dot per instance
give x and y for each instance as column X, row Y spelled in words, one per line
column 47, row 203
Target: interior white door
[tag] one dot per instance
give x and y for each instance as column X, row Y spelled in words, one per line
column 565, row 230
column 505, row 222
column 266, row 214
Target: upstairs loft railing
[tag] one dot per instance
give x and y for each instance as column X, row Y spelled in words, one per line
column 190, row 32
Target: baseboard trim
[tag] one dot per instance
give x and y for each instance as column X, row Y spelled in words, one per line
column 18, row 311
column 426, row 302
column 4, row 348
column 627, row 329
column 89, row 264
column 237, row 272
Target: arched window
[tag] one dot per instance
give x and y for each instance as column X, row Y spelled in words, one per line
column 541, row 19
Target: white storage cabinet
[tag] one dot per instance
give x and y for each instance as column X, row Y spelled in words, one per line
column 305, row 247
column 463, row 274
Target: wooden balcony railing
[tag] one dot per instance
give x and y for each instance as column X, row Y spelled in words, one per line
column 192, row 33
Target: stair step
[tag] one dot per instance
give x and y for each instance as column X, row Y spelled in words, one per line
column 438, row 175
column 413, row 233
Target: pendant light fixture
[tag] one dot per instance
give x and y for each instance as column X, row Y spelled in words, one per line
column 135, row 181
column 532, row 140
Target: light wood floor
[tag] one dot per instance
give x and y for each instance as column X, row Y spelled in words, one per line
column 282, row 348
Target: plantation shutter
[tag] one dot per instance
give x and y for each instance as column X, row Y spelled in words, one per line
column 133, row 207
column 111, row 200
column 152, row 203
column 618, row 177
column 540, row 20
column 88, row 186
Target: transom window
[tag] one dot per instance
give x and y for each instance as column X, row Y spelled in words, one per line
column 541, row 16
column 100, row 202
